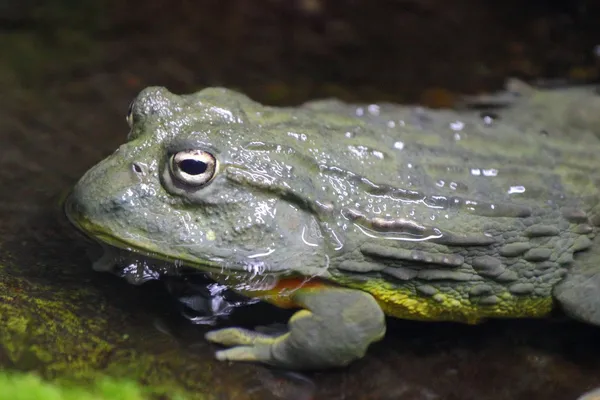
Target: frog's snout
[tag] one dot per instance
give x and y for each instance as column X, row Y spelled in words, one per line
column 111, row 185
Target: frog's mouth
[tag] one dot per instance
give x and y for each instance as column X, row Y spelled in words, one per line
column 128, row 260
column 206, row 292
column 136, row 263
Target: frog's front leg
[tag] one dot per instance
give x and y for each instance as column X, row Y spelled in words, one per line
column 335, row 328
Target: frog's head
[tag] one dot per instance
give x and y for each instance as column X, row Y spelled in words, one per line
column 200, row 182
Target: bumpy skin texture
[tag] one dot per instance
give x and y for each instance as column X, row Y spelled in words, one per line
column 438, row 215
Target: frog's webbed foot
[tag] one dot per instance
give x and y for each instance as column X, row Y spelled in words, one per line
column 579, row 291
column 336, row 328
column 579, row 295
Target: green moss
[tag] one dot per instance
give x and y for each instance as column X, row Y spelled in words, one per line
column 70, row 336
column 36, row 324
column 18, row 386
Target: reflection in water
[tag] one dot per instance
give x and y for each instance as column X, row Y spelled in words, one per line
column 204, row 302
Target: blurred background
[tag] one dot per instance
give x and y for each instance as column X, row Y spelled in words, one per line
column 68, row 70
column 287, row 51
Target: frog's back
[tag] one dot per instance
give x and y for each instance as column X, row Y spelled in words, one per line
column 446, row 215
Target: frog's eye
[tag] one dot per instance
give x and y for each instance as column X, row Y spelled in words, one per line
column 193, row 167
column 129, row 117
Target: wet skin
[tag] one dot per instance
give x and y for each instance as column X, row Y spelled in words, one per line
column 351, row 213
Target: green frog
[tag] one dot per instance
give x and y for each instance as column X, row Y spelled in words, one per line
column 349, row 213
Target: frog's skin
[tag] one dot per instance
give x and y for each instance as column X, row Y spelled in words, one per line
column 354, row 212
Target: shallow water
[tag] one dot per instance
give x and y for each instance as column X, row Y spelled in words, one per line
column 50, row 133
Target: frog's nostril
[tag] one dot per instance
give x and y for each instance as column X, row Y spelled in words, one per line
column 139, row 168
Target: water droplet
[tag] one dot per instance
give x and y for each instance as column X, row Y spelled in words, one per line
column 399, row 145
column 489, row 117
column 378, row 154
column 349, row 135
column 391, row 124
column 457, row 137
column 516, row 189
column 457, row 125
column 373, row 109
column 360, row 112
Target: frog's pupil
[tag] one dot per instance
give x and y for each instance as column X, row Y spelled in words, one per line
column 193, row 167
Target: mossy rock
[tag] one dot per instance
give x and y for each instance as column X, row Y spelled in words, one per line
column 68, row 337
column 24, row 386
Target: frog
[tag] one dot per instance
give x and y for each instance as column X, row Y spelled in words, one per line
column 350, row 214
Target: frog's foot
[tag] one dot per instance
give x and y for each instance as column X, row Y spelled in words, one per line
column 579, row 291
column 336, row 328
column 579, row 295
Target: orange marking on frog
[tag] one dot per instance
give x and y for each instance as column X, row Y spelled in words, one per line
column 280, row 295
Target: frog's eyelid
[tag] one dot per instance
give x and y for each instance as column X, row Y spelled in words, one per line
column 177, row 146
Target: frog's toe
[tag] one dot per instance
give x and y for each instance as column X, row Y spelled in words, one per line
column 238, row 337
column 336, row 328
column 244, row 353
column 249, row 345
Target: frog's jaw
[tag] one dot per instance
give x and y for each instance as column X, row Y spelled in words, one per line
column 137, row 264
column 107, row 240
column 276, row 289
column 145, row 260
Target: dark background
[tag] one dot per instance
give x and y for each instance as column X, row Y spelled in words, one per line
column 292, row 50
